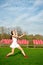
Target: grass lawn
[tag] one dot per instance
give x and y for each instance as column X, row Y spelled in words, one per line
column 35, row 56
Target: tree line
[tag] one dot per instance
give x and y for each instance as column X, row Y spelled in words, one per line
column 5, row 34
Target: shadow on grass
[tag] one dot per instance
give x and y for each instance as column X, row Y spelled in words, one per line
column 19, row 52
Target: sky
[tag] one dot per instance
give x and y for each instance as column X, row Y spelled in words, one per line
column 26, row 14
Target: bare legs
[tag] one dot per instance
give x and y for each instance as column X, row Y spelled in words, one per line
column 21, row 50
column 12, row 52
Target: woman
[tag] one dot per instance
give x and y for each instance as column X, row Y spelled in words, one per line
column 15, row 44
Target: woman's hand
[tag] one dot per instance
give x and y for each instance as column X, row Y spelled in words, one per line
column 24, row 33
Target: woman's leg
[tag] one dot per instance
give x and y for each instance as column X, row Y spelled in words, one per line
column 11, row 53
column 22, row 50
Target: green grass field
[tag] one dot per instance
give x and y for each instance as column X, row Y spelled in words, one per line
column 35, row 56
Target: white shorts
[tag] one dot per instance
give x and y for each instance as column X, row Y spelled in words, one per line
column 14, row 45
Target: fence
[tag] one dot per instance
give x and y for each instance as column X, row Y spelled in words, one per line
column 38, row 43
column 22, row 42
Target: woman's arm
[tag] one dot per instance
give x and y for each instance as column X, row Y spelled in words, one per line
column 15, row 36
column 21, row 35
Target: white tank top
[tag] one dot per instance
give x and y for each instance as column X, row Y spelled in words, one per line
column 14, row 40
